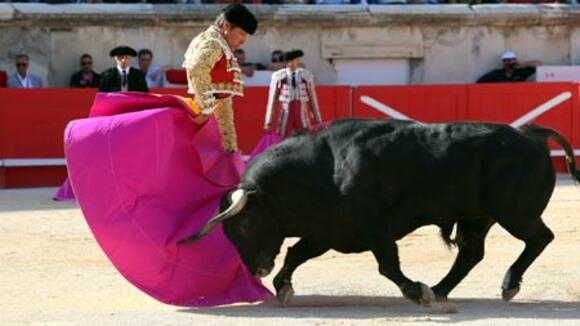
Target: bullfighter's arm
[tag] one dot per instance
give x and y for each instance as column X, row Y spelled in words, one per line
column 198, row 66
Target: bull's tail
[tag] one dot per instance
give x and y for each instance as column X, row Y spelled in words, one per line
column 558, row 138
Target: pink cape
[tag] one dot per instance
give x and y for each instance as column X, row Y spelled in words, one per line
column 65, row 192
column 269, row 139
column 149, row 177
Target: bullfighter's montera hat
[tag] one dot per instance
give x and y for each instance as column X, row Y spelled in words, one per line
column 291, row 55
column 123, row 50
column 240, row 16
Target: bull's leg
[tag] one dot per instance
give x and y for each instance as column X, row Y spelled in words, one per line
column 470, row 240
column 537, row 236
column 386, row 253
column 302, row 251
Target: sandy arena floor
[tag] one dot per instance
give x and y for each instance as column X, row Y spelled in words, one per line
column 53, row 273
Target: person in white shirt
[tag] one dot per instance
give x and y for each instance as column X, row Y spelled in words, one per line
column 153, row 73
column 21, row 78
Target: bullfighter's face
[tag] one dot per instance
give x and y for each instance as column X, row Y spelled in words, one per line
column 234, row 36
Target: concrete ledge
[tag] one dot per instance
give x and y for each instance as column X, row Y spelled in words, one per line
column 72, row 15
column 6, row 11
column 29, row 9
column 507, row 14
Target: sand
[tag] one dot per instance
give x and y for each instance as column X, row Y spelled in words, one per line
column 52, row 272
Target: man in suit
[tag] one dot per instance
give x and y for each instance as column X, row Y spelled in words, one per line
column 86, row 77
column 123, row 77
column 21, row 78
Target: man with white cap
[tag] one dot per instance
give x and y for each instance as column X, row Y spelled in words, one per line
column 512, row 71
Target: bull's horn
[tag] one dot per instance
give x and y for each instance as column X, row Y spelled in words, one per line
column 239, row 199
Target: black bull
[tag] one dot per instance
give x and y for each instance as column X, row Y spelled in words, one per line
column 361, row 185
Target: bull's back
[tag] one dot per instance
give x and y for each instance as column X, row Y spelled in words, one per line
column 443, row 170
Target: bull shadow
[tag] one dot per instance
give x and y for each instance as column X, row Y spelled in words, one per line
column 372, row 307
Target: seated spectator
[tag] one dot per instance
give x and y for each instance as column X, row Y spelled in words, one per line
column 21, row 78
column 276, row 61
column 335, row 2
column 153, row 73
column 123, row 77
column 512, row 71
column 247, row 68
column 86, row 77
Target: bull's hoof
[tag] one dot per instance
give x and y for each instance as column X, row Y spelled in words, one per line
column 427, row 296
column 508, row 294
column 285, row 293
column 419, row 293
column 444, row 306
column 439, row 296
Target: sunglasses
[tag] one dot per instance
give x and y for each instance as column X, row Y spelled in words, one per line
column 86, row 63
column 21, row 64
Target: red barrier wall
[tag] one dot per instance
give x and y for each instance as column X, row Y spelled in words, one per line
column 503, row 103
column 32, row 121
column 421, row 103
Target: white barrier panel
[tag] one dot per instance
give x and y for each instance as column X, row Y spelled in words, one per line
column 28, row 162
column 558, row 74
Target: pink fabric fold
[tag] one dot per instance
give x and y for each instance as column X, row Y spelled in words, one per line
column 270, row 138
column 65, row 192
column 147, row 177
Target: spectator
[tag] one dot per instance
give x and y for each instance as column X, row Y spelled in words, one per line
column 247, row 68
column 153, row 73
column 21, row 78
column 276, row 61
column 512, row 71
column 86, row 77
column 123, row 77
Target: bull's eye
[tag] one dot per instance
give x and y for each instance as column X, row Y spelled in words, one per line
column 243, row 227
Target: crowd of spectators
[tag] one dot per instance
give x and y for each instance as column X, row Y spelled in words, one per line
column 154, row 75
column 320, row 2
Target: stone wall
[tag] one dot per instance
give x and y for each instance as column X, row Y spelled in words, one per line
column 444, row 43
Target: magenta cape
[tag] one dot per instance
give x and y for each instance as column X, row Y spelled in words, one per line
column 65, row 192
column 270, row 138
column 149, row 177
